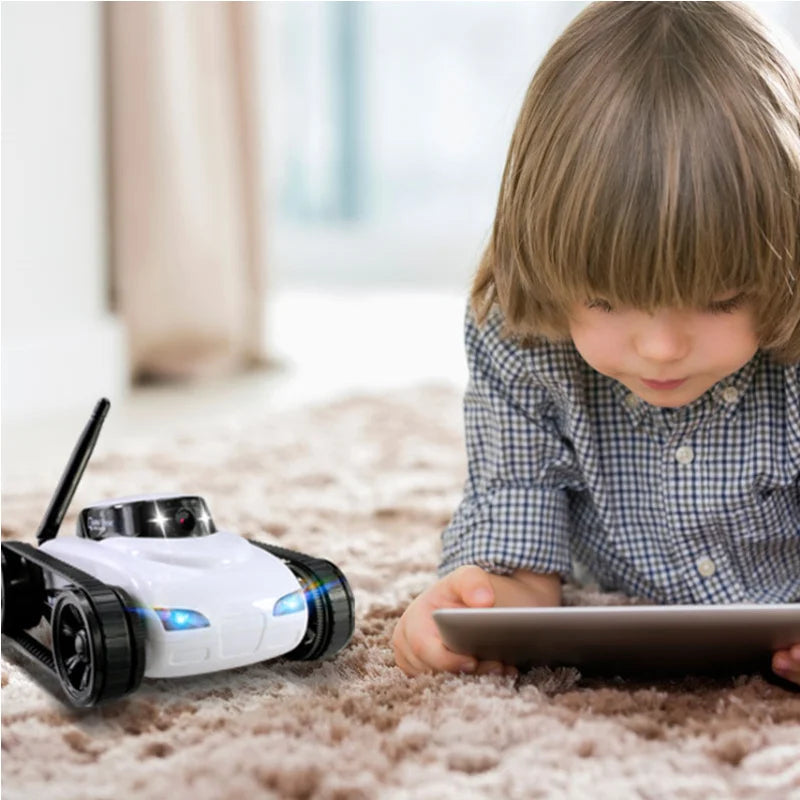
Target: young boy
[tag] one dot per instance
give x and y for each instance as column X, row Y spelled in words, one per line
column 634, row 332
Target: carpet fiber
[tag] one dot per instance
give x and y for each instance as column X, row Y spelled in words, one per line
column 369, row 483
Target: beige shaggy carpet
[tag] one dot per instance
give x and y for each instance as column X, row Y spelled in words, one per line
column 369, row 483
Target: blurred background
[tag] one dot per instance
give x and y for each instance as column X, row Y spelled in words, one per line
column 210, row 209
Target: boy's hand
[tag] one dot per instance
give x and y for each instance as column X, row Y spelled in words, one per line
column 786, row 663
column 416, row 642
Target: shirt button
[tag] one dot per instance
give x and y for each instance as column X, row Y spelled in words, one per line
column 684, row 455
column 632, row 401
column 705, row 566
column 730, row 394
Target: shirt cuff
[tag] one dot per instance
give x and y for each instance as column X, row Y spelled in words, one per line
column 510, row 528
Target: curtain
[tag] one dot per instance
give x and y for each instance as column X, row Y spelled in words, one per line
column 185, row 186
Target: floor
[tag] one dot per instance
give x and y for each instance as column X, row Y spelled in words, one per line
column 325, row 344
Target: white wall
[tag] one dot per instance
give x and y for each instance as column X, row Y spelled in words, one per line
column 61, row 347
column 439, row 93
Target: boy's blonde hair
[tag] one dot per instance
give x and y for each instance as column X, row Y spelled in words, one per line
column 655, row 162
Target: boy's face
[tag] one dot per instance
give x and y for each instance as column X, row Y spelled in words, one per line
column 687, row 350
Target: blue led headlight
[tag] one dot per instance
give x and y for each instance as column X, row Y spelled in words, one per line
column 290, row 603
column 181, row 619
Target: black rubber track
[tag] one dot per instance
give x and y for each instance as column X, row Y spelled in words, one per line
column 23, row 593
column 114, row 629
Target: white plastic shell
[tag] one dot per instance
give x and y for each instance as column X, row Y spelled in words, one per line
column 222, row 576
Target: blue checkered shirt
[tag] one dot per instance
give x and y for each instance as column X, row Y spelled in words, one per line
column 698, row 504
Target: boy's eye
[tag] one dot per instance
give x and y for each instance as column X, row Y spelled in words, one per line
column 600, row 304
column 726, row 306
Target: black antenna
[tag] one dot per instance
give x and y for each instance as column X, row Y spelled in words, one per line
column 72, row 474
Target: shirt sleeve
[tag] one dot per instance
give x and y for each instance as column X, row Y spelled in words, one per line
column 515, row 509
column 792, row 383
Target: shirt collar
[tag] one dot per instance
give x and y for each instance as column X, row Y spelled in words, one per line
column 722, row 398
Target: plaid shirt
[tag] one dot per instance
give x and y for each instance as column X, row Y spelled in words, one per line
column 698, row 504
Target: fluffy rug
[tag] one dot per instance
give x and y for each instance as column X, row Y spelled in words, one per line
column 368, row 483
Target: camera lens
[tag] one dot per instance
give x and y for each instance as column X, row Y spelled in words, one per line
column 185, row 520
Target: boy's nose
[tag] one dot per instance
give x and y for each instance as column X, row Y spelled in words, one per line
column 663, row 337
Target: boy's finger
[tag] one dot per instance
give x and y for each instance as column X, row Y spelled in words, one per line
column 408, row 663
column 425, row 653
column 436, row 656
column 789, row 675
column 405, row 665
column 403, row 651
column 782, row 661
column 471, row 585
column 490, row 668
column 784, row 665
column 497, row 668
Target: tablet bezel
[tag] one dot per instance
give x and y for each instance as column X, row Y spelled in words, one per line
column 622, row 639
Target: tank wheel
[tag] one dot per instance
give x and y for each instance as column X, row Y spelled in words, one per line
column 23, row 594
column 98, row 645
column 331, row 610
column 78, row 648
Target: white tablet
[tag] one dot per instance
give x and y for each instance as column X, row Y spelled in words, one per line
column 625, row 639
